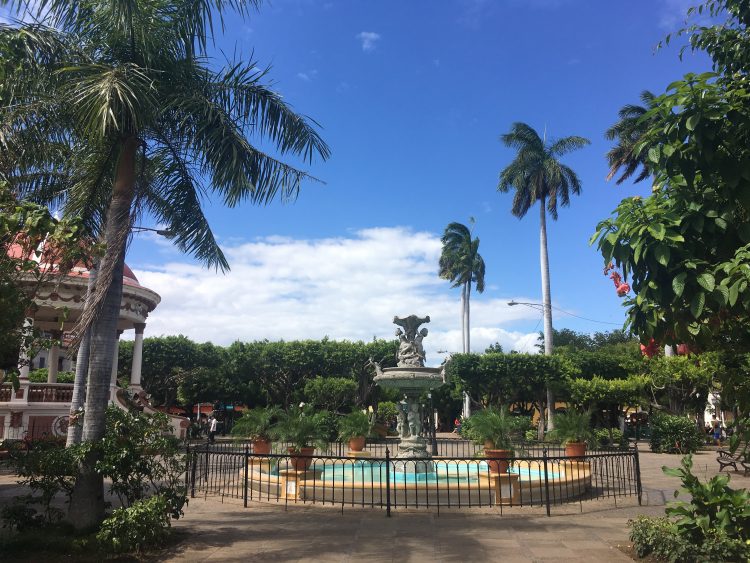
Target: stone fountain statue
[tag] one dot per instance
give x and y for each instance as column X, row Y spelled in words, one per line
column 411, row 378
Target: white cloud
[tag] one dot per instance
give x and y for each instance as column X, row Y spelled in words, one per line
column 345, row 288
column 308, row 75
column 368, row 39
column 673, row 14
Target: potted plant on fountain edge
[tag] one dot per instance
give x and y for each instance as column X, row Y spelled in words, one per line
column 573, row 429
column 353, row 428
column 302, row 430
column 492, row 428
column 257, row 424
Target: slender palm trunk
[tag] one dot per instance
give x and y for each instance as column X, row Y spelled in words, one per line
column 463, row 320
column 87, row 501
column 75, row 427
column 546, row 303
column 467, row 316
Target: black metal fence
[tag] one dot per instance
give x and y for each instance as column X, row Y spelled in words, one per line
column 544, row 478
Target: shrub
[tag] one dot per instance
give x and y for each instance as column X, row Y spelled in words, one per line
column 301, row 428
column 40, row 376
column 602, row 437
column 387, row 412
column 256, row 423
column 141, row 457
column 674, row 434
column 142, row 525
column 353, row 425
column 713, row 526
column 48, row 469
column 494, row 426
column 572, row 426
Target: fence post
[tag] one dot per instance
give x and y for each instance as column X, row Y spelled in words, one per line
column 205, row 474
column 192, row 474
column 387, row 482
column 638, row 488
column 244, row 489
column 546, row 480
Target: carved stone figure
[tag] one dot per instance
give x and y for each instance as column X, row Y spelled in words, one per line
column 410, row 349
column 415, row 426
column 402, row 428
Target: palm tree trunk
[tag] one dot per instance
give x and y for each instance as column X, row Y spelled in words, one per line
column 546, row 303
column 75, row 427
column 86, row 509
column 463, row 319
column 467, row 315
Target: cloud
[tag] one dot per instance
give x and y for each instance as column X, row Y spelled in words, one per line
column 368, row 39
column 344, row 288
column 673, row 14
column 308, row 75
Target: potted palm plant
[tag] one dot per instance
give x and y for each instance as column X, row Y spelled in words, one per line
column 302, row 430
column 573, row 429
column 492, row 428
column 353, row 428
column 256, row 424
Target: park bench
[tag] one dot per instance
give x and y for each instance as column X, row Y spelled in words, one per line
column 726, row 458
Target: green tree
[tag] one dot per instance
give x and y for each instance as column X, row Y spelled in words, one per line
column 154, row 124
column 537, row 175
column 462, row 265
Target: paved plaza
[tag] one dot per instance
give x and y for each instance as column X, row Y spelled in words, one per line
column 217, row 530
column 225, row 531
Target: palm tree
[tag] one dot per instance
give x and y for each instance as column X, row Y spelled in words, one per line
column 536, row 174
column 462, row 265
column 116, row 109
column 626, row 155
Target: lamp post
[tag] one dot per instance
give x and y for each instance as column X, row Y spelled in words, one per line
column 546, row 310
column 433, row 429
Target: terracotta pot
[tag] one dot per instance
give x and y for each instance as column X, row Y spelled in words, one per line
column 261, row 447
column 498, row 460
column 300, row 460
column 357, row 444
column 575, row 449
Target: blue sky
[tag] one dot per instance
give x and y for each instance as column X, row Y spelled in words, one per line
column 412, row 97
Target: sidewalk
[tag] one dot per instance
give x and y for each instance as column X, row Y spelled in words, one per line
column 216, row 531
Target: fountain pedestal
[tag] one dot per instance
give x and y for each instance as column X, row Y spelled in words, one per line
column 411, row 378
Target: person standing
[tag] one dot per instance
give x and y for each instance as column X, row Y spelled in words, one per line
column 716, row 425
column 212, row 428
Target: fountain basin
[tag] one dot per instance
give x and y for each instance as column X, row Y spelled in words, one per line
column 410, row 380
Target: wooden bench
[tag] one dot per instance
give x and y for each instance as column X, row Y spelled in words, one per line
column 726, row 458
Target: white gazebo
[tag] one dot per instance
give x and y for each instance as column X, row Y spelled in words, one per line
column 38, row 409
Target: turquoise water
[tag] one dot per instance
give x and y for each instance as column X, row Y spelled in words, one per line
column 445, row 472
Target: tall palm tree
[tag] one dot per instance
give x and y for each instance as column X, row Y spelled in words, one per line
column 537, row 175
column 628, row 132
column 462, row 265
column 116, row 109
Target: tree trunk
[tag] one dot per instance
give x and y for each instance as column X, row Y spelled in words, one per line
column 463, row 319
column 87, row 500
column 467, row 316
column 75, row 426
column 546, row 303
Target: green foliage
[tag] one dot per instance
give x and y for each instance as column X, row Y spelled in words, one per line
column 682, row 383
column 674, row 434
column 27, row 224
column 331, row 393
column 40, row 376
column 595, row 391
column 47, row 468
column 609, row 437
column 713, row 505
column 499, row 379
column 302, row 428
column 387, row 412
column 141, row 457
column 713, row 526
column 686, row 246
column 353, row 425
column 494, row 426
column 142, row 525
column 573, row 426
column 257, row 423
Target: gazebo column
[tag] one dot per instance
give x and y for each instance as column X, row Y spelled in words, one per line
column 23, row 357
column 135, row 374
column 115, row 361
column 53, row 358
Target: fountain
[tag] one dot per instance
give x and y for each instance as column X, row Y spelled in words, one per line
column 411, row 378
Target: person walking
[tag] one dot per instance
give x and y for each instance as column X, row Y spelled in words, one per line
column 212, row 428
column 716, row 425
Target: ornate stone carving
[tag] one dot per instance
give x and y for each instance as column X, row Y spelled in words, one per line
column 410, row 348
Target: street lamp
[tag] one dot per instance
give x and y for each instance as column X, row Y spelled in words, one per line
column 433, row 429
column 162, row 232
